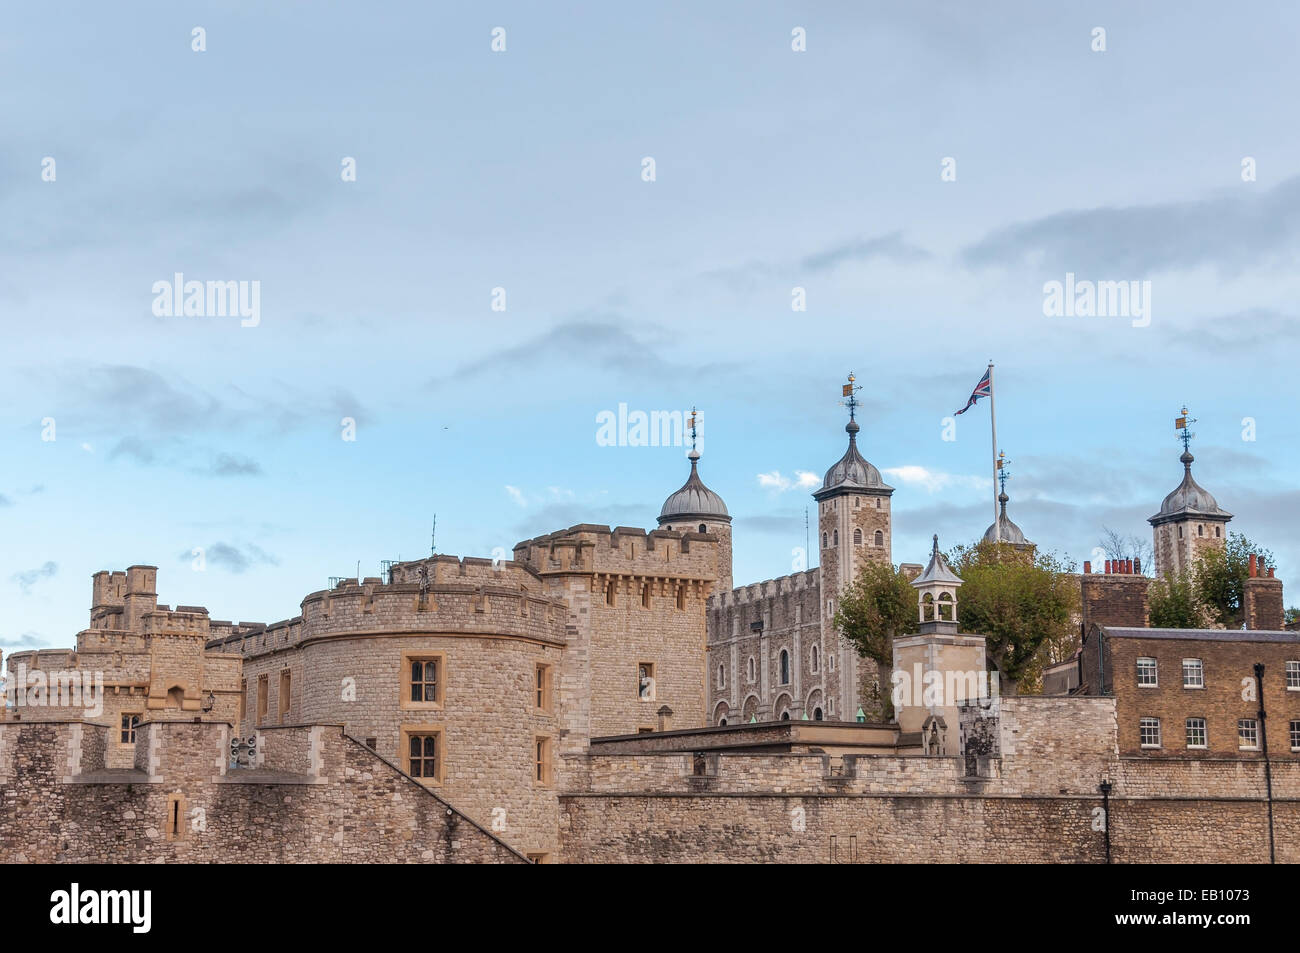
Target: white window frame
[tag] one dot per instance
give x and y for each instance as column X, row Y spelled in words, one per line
column 1155, row 673
column 1205, row 734
column 1293, row 675
column 1144, row 724
column 1200, row 673
column 1241, row 734
column 1294, row 729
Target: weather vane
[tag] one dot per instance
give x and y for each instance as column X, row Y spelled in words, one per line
column 1003, row 472
column 1182, row 425
column 693, row 429
column 850, row 393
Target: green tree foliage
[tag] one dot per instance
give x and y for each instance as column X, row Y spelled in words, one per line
column 1019, row 601
column 877, row 606
column 1220, row 579
column 1174, row 603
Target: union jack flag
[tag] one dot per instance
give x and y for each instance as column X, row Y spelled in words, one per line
column 982, row 389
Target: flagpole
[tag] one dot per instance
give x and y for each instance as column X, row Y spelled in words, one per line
column 993, row 417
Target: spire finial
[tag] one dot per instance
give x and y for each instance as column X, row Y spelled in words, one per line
column 935, row 549
column 694, row 455
column 1003, row 473
column 850, row 393
column 1183, row 425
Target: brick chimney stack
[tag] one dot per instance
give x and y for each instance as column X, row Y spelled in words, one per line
column 1262, row 598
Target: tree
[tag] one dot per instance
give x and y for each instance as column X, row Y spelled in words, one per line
column 1019, row 601
column 1220, row 579
column 1174, row 603
column 1137, row 548
column 877, row 606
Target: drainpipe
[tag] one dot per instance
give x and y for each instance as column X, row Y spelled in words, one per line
column 1105, row 789
column 1268, row 770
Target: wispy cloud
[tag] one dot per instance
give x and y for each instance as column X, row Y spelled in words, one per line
column 1230, row 232
column 802, row 480
column 235, row 558
column 31, row 577
column 933, row 481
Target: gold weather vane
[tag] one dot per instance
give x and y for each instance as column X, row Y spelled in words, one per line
column 850, row 393
column 1183, row 424
column 1003, row 472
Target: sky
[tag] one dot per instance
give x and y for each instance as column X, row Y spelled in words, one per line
column 503, row 269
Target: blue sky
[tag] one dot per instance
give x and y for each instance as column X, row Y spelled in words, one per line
column 522, row 170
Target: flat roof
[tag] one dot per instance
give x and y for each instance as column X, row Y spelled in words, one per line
column 1204, row 635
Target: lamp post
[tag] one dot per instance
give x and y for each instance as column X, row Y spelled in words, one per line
column 1105, row 788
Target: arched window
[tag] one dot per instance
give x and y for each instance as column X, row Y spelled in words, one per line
column 824, row 540
column 723, row 722
column 830, row 666
column 751, row 668
column 817, row 714
column 877, row 502
column 1180, row 532
column 857, row 537
column 837, row 537
column 722, row 677
column 880, row 538
column 703, row 528
column 815, row 659
column 785, row 667
column 785, row 716
column 1217, row 534
column 830, row 706
column 1200, row 530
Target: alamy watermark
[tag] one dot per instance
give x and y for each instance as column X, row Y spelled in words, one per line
column 208, row 299
column 1098, row 299
column 639, row 428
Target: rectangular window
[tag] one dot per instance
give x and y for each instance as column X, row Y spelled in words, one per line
column 542, row 687
column 1146, row 673
column 645, row 681
column 130, row 722
column 1295, row 735
column 424, row 677
column 284, row 694
column 542, row 760
column 243, row 699
column 1196, row 733
column 423, row 752
column 1193, row 673
column 1248, row 734
column 263, row 689
column 1149, row 732
column 1293, row 676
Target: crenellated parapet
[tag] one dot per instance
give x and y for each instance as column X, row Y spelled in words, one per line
column 623, row 553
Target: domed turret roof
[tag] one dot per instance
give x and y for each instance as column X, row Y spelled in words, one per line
column 1188, row 500
column 852, row 471
column 694, row 500
column 1004, row 530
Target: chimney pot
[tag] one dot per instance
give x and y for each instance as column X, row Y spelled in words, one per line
column 1128, row 566
column 1270, row 572
column 1254, row 565
column 1087, row 567
column 1137, row 566
column 1108, row 566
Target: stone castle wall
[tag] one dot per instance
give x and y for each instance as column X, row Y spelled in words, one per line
column 57, row 804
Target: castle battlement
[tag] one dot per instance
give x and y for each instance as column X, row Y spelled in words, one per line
column 809, row 579
column 624, row 551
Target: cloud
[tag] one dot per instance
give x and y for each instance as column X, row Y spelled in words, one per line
column 932, row 481
column 20, row 643
column 227, row 464
column 774, row 480
column 595, row 343
column 133, row 448
column 1230, row 232
column 30, row 577
column 5, row 501
column 890, row 247
column 516, row 494
column 232, row 557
